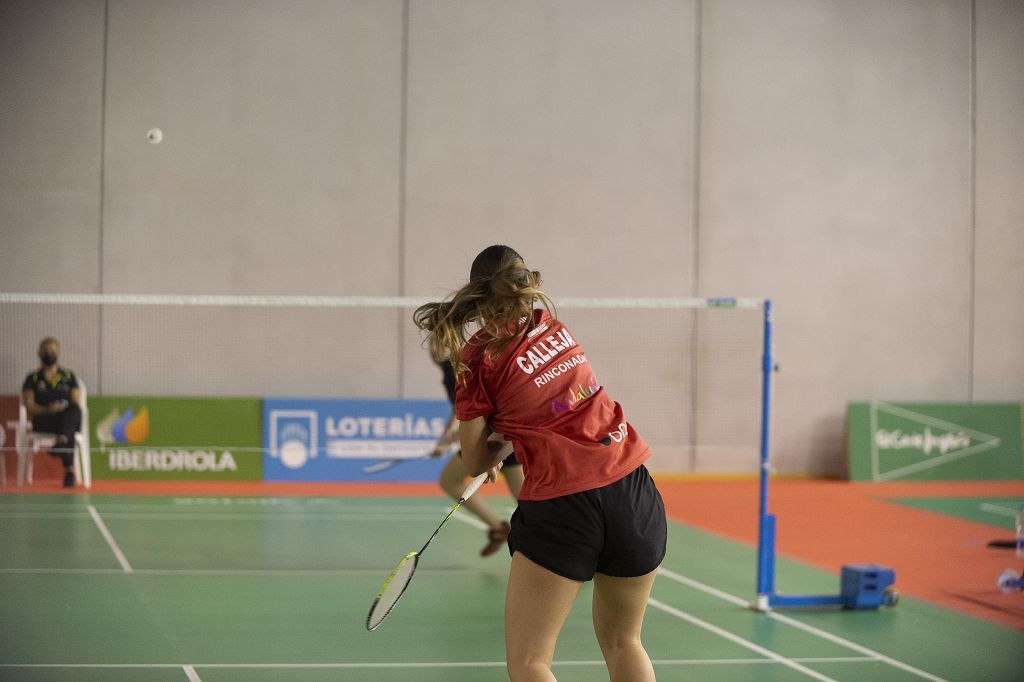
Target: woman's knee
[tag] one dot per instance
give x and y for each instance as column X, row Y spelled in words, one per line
column 528, row 671
column 614, row 640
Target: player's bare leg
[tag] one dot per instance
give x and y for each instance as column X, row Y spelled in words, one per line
column 618, row 612
column 536, row 604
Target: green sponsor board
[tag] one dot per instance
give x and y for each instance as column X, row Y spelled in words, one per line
column 935, row 441
column 149, row 438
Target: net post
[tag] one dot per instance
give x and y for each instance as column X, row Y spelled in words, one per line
column 765, row 521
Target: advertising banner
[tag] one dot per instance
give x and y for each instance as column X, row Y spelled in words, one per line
column 149, row 438
column 935, row 441
column 334, row 440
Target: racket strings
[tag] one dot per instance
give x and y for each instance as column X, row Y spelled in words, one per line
column 398, row 581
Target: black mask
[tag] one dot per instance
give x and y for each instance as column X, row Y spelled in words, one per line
column 49, row 359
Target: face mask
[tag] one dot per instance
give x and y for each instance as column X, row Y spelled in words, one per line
column 48, row 359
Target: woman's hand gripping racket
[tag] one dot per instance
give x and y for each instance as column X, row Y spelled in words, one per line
column 394, row 587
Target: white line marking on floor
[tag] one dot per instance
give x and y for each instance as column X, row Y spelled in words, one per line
column 110, row 540
column 428, row 664
column 997, row 509
column 268, row 517
column 190, row 673
column 725, row 634
column 696, row 584
column 471, row 520
column 255, row 572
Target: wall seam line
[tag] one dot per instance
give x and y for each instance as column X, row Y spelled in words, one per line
column 972, row 198
column 103, row 191
column 695, row 227
column 402, row 192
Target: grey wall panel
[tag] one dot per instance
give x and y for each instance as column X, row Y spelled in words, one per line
column 999, row 236
column 51, row 95
column 835, row 179
column 279, row 167
column 249, row 351
column 564, row 129
column 51, row 85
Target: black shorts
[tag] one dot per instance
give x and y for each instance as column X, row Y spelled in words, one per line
column 511, row 461
column 618, row 530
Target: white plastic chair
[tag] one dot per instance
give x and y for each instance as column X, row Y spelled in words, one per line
column 3, row 458
column 27, row 443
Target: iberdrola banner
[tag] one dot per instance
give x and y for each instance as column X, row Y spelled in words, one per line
column 146, row 437
column 891, row 441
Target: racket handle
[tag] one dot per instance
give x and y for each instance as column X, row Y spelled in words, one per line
column 473, row 486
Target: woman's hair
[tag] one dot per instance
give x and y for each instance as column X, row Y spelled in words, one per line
column 499, row 297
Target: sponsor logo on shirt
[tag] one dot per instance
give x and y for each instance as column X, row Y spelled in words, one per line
column 575, row 397
column 617, row 435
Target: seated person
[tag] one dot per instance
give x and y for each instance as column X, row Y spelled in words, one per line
column 53, row 402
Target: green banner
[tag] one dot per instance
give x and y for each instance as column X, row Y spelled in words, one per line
column 148, row 438
column 935, row 441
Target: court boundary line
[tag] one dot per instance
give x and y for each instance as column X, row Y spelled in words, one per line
column 800, row 625
column 230, row 516
column 736, row 639
column 250, row 572
column 191, row 674
column 436, row 664
column 105, row 532
column 998, row 509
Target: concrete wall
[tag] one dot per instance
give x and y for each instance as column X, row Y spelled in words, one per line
column 859, row 163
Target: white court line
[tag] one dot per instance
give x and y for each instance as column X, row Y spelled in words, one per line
column 428, row 664
column 214, row 506
column 835, row 639
column 252, row 572
column 191, row 674
column 997, row 509
column 110, row 540
column 736, row 639
column 471, row 520
column 232, row 517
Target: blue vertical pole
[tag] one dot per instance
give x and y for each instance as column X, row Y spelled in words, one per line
column 766, row 523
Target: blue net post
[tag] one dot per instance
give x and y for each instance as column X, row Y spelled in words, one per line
column 765, row 521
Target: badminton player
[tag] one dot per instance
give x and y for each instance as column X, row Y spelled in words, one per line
column 454, row 474
column 588, row 509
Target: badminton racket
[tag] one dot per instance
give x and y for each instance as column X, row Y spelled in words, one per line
column 397, row 583
column 386, row 464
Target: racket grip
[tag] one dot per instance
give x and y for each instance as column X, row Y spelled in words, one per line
column 473, row 486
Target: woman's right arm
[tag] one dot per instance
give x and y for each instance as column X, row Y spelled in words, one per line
column 479, row 453
column 28, row 396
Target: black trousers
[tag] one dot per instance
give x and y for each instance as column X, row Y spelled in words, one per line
column 65, row 423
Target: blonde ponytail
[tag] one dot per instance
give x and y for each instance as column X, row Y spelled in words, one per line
column 499, row 298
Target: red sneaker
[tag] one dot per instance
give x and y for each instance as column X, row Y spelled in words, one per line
column 496, row 537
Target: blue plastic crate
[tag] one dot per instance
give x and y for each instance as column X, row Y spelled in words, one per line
column 863, row 586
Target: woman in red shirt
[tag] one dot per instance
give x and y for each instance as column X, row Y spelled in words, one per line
column 588, row 508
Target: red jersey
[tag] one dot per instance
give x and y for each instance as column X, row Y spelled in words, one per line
column 542, row 395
